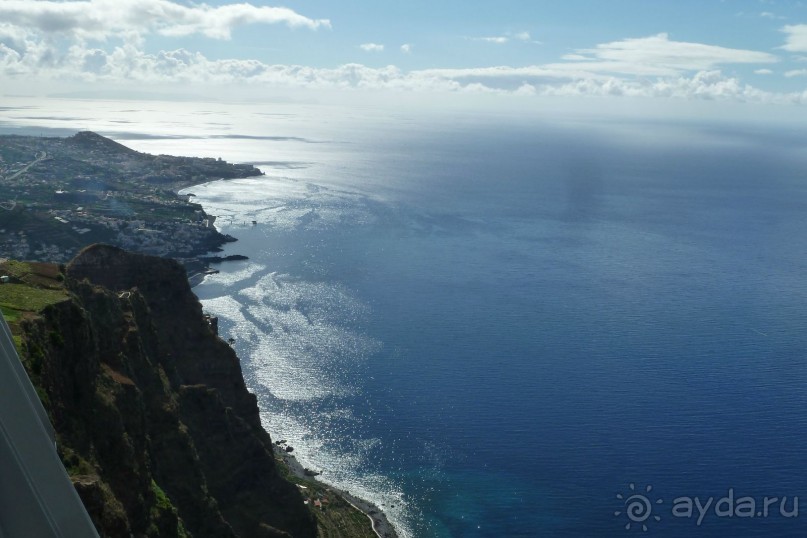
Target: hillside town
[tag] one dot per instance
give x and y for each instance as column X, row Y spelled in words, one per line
column 58, row 195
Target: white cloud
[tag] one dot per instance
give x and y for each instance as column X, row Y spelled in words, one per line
column 526, row 89
column 526, row 38
column 101, row 19
column 708, row 85
column 372, row 47
column 503, row 39
column 763, row 72
column 9, row 60
column 501, row 73
column 406, row 48
column 659, row 56
column 128, row 63
column 796, row 40
column 796, row 73
column 13, row 36
column 769, row 15
column 645, row 67
column 499, row 40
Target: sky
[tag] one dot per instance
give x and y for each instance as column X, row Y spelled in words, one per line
column 748, row 51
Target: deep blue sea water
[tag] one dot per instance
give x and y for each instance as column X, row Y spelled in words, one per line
column 493, row 326
column 503, row 326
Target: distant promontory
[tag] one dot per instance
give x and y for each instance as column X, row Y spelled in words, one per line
column 58, row 195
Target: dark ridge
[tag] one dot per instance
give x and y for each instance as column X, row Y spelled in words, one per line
column 93, row 141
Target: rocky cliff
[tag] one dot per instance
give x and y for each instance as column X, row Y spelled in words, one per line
column 154, row 422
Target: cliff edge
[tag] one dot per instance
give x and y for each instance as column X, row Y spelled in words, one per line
column 153, row 420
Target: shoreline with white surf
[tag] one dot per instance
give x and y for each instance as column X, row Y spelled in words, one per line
column 371, row 502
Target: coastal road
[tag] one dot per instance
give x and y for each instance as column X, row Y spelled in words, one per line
column 11, row 205
column 25, row 168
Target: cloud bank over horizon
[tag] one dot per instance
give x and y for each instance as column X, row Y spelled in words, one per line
column 97, row 42
column 103, row 19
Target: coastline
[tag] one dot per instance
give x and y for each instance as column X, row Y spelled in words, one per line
column 198, row 266
column 379, row 523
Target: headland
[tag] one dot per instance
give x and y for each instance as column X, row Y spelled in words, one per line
column 59, row 195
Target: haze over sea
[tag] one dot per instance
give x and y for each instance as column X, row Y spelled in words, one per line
column 494, row 324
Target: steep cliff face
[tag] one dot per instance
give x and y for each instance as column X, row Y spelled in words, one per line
column 154, row 422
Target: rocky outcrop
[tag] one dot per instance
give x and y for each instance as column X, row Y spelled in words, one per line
column 154, row 422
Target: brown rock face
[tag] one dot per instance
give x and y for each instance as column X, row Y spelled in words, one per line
column 154, row 421
column 183, row 335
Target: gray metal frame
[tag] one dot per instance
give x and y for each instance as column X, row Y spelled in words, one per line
column 37, row 498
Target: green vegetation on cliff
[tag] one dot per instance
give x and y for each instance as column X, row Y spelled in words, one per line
column 336, row 518
column 31, row 288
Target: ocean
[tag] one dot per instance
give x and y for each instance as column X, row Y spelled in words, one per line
column 517, row 324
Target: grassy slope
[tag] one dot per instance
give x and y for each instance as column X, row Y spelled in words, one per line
column 338, row 519
column 33, row 286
